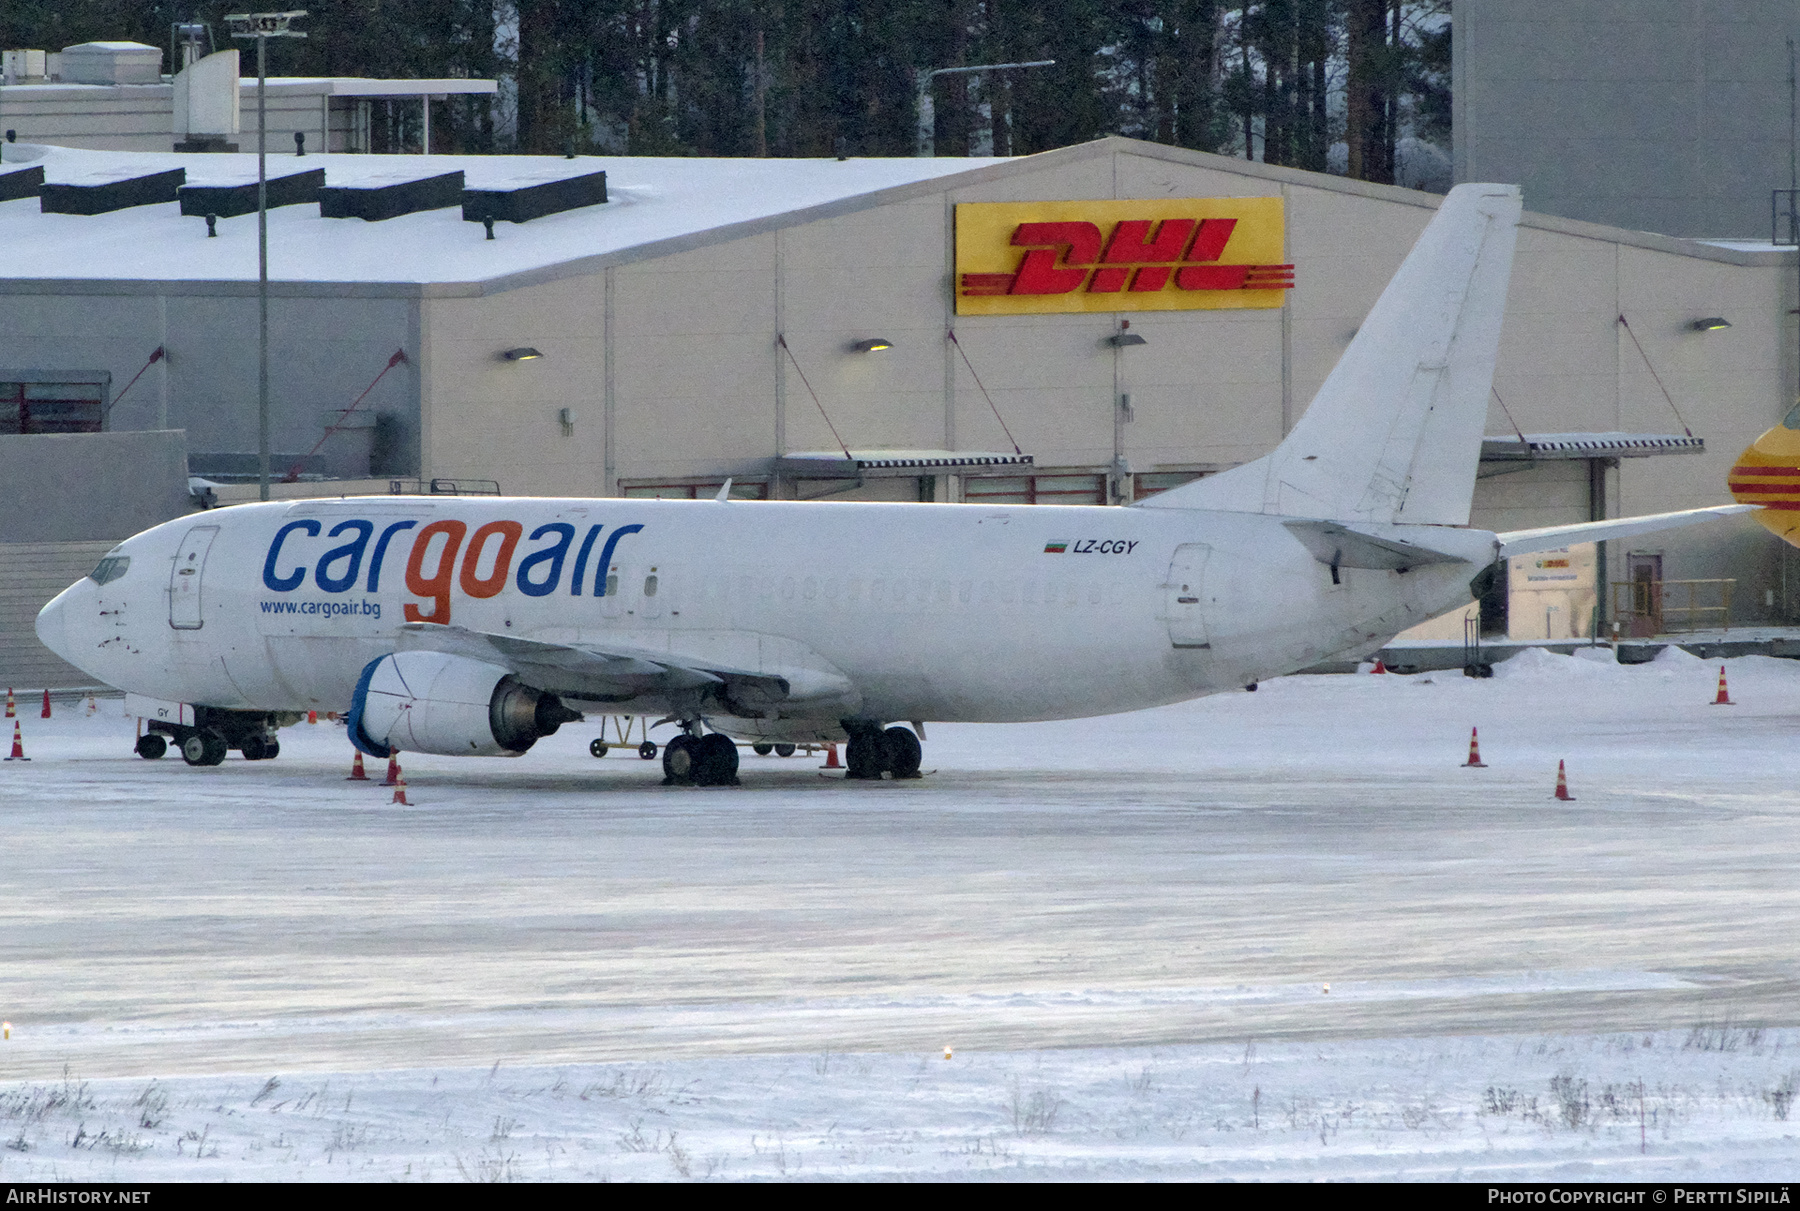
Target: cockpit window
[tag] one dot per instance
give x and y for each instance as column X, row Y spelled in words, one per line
column 1792, row 419
column 110, row 568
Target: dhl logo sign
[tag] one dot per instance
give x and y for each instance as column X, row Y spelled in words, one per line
column 1163, row 254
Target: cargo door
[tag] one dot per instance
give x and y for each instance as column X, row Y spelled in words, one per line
column 1184, row 603
column 185, row 578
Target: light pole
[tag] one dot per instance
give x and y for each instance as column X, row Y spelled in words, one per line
column 927, row 145
column 262, row 27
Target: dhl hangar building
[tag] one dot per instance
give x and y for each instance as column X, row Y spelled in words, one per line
column 1084, row 326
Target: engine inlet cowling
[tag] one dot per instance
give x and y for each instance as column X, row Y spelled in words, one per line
column 432, row 702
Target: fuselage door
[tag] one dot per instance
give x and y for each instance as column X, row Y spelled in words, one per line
column 185, row 577
column 1184, row 603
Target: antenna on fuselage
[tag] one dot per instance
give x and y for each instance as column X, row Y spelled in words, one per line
column 724, row 492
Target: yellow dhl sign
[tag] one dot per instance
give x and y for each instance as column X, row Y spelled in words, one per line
column 1162, row 254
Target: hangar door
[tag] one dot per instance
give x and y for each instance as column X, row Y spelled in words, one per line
column 1183, row 601
column 185, row 577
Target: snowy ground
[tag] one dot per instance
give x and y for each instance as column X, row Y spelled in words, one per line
column 1125, row 928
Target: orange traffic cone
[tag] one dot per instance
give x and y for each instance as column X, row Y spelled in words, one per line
column 1562, row 784
column 18, row 753
column 1723, row 698
column 357, row 774
column 46, row 712
column 831, row 760
column 312, row 716
column 400, row 793
column 393, row 774
column 11, row 706
column 1379, row 667
column 1474, row 761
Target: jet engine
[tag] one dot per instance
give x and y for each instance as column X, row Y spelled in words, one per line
column 432, row 702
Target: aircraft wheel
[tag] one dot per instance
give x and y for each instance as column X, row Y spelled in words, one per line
column 647, row 750
column 784, row 750
column 715, row 760
column 863, row 756
column 762, row 750
column 151, row 746
column 255, row 748
column 596, row 748
column 678, row 761
column 902, row 752
column 204, row 748
column 271, row 749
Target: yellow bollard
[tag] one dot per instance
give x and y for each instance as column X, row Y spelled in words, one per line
column 946, row 1053
column 6, row 1030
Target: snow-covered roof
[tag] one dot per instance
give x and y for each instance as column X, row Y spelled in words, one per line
column 650, row 201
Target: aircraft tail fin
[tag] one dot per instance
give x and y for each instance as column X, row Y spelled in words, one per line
column 1394, row 434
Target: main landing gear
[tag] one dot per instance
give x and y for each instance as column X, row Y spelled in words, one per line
column 215, row 734
column 873, row 752
column 700, row 760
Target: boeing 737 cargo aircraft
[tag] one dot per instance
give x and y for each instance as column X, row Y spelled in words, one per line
column 477, row 626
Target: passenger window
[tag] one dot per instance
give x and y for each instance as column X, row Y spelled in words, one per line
column 612, row 584
column 650, row 585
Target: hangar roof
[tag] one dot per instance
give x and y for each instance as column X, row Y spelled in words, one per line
column 656, row 206
column 649, row 201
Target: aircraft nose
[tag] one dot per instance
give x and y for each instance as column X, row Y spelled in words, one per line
column 53, row 624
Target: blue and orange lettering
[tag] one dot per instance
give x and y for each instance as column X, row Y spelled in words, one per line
column 606, row 554
column 287, row 584
column 551, row 555
column 581, row 558
column 481, row 587
column 351, row 551
column 381, row 547
column 437, row 585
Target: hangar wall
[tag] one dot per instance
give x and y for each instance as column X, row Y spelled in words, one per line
column 669, row 362
column 325, row 346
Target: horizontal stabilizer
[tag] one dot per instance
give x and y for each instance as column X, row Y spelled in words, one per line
column 1340, row 546
column 1549, row 538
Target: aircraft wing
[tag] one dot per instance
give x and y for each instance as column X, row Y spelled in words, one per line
column 1549, row 538
column 609, row 671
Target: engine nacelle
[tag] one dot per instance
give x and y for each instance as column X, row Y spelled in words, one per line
column 431, row 702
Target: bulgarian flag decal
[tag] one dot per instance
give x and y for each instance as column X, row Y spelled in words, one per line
column 1056, row 547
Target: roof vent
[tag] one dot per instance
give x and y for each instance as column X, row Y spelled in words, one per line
column 522, row 199
column 378, row 199
column 112, row 63
column 101, row 192
column 23, row 183
column 225, row 201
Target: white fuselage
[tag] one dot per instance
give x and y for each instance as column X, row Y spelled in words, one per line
column 933, row 612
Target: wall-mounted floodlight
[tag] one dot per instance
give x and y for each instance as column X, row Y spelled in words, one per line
column 523, row 353
column 1119, row 340
column 1710, row 324
column 871, row 345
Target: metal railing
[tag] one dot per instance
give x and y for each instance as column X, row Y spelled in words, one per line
column 1660, row 607
column 443, row 487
